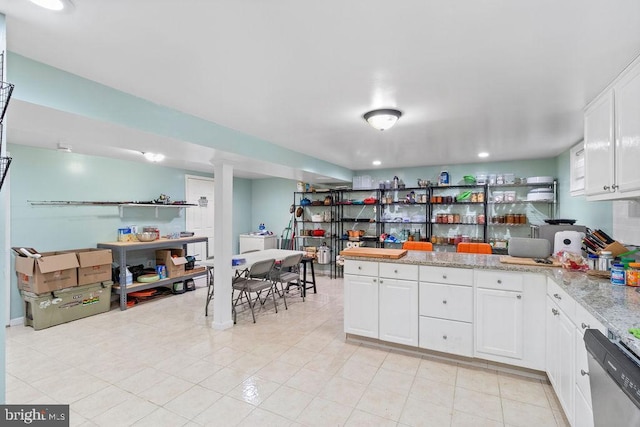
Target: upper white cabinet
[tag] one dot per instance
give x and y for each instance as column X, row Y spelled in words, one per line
column 612, row 140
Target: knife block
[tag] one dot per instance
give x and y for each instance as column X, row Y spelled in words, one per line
column 616, row 249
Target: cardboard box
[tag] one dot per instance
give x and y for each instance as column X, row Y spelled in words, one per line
column 44, row 311
column 94, row 265
column 173, row 259
column 52, row 272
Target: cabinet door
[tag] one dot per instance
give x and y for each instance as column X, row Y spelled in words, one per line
column 584, row 413
column 361, row 305
column 627, row 102
column 561, row 357
column 499, row 323
column 399, row 311
column 598, row 146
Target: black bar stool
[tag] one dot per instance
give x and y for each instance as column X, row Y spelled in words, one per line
column 308, row 284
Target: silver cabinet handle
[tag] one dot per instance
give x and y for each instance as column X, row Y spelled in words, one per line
column 519, row 297
column 444, row 276
column 444, row 301
column 583, row 372
column 614, row 187
column 444, row 337
column 359, row 267
column 375, row 280
column 381, row 281
column 606, row 187
column 499, row 281
column 395, row 271
column 585, row 326
column 556, row 296
column 555, row 312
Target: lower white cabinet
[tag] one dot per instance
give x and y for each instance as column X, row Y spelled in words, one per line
column 447, row 336
column 499, row 323
column 583, row 411
column 561, row 357
column 446, row 310
column 398, row 322
column 509, row 312
column 361, row 305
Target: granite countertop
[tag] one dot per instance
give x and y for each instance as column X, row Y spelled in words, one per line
column 617, row 307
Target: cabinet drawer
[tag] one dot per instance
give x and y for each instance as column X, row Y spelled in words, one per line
column 500, row 280
column 585, row 320
column 447, row 336
column 361, row 268
column 450, row 302
column 398, row 271
column 560, row 297
column 446, row 275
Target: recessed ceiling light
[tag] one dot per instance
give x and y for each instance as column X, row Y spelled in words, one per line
column 154, row 157
column 376, row 163
column 55, row 5
column 483, row 154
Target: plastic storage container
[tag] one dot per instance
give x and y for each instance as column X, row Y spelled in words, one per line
column 618, row 274
column 633, row 274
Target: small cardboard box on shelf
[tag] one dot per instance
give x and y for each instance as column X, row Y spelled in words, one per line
column 95, row 265
column 173, row 259
column 51, row 272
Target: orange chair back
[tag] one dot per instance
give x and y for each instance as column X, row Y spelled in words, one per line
column 474, row 248
column 417, row 246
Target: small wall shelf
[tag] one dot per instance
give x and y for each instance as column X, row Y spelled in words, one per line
column 120, row 205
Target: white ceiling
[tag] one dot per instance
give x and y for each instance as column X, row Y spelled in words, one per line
column 510, row 77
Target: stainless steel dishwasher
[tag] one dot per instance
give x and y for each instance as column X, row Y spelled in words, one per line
column 614, row 375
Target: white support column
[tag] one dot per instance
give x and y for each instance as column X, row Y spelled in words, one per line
column 222, row 245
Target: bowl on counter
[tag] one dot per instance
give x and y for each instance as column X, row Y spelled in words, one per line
column 147, row 236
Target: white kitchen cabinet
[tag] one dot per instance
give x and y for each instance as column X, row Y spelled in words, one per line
column 446, row 310
column 612, row 140
column 599, row 146
column 509, row 309
column 560, row 359
column 499, row 323
column 398, row 322
column 361, row 305
column 583, row 411
column 627, row 131
column 447, row 336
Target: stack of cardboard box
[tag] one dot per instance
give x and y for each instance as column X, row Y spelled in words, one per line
column 59, row 287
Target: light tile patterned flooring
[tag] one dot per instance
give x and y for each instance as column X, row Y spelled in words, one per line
column 160, row 364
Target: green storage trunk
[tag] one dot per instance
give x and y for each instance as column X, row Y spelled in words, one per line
column 65, row 305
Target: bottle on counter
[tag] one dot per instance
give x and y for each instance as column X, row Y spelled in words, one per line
column 633, row 274
column 617, row 274
column 605, row 260
column 593, row 262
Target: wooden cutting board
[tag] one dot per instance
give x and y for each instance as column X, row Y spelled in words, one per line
column 506, row 259
column 375, row 252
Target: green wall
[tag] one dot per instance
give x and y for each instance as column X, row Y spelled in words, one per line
column 39, row 174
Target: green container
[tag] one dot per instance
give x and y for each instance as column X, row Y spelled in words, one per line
column 65, row 305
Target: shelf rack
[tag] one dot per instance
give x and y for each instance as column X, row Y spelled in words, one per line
column 120, row 205
column 121, row 249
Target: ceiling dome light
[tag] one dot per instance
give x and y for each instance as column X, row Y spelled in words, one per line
column 376, row 163
column 55, row 5
column 483, row 154
column 153, row 157
column 382, row 119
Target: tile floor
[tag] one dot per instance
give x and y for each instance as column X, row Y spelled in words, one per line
column 160, row 364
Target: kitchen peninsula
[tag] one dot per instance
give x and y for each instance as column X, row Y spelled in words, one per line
column 489, row 312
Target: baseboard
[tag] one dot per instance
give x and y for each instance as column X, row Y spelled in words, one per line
column 18, row 321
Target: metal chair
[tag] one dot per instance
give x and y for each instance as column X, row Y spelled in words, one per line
column 257, row 280
column 288, row 272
